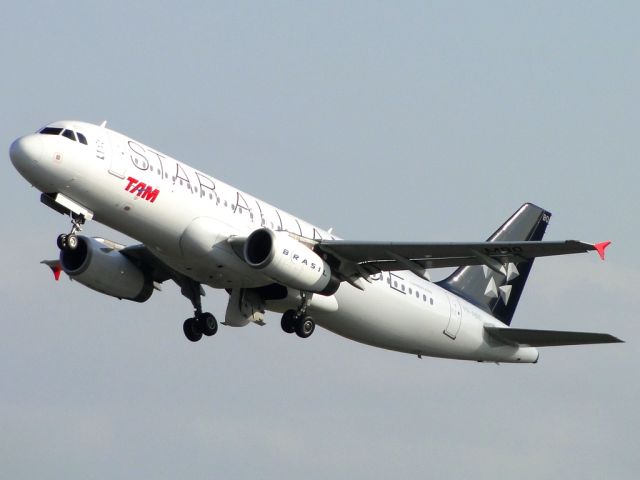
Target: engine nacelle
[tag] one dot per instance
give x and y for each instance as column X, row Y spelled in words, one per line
column 289, row 262
column 101, row 268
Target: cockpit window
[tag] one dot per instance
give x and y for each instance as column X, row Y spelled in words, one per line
column 69, row 134
column 51, row 131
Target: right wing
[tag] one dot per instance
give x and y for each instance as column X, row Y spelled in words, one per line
column 373, row 257
column 145, row 260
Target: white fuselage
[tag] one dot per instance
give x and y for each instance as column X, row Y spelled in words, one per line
column 185, row 217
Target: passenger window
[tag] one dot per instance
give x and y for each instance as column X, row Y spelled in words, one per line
column 82, row 139
column 69, row 134
column 51, row 131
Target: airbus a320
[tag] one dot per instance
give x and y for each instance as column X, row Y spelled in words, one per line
column 197, row 231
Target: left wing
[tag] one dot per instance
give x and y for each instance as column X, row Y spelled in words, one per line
column 373, row 257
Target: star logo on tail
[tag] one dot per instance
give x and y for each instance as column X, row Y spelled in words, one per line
column 503, row 291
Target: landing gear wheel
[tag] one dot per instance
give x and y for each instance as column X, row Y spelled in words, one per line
column 192, row 330
column 62, row 241
column 305, row 327
column 72, row 241
column 207, row 324
column 288, row 322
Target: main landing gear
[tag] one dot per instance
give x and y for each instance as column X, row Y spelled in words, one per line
column 202, row 323
column 70, row 241
column 302, row 325
column 298, row 321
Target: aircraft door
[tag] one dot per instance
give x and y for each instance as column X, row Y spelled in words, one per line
column 117, row 156
column 455, row 317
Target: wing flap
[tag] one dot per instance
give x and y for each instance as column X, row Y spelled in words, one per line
column 547, row 338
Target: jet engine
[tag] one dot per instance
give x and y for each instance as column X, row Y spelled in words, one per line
column 289, row 262
column 104, row 269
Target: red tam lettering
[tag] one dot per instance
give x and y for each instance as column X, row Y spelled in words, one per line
column 150, row 195
column 132, row 181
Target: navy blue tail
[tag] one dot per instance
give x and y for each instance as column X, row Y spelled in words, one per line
column 499, row 293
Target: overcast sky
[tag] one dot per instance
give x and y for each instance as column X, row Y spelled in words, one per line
column 386, row 121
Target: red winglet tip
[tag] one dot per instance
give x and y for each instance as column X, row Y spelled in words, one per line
column 600, row 247
column 56, row 269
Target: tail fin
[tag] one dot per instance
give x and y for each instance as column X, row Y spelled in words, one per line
column 498, row 293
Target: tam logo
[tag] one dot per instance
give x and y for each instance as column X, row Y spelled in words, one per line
column 142, row 190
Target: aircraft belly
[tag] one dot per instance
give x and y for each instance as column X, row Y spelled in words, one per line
column 385, row 318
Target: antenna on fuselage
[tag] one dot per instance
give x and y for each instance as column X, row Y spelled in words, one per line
column 103, row 124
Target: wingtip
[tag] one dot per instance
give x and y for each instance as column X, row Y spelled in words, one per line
column 601, row 247
column 55, row 267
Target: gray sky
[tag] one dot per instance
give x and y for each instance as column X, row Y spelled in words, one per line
column 384, row 120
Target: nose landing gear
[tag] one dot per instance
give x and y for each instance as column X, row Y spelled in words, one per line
column 70, row 241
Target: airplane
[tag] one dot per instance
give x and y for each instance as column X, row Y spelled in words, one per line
column 198, row 231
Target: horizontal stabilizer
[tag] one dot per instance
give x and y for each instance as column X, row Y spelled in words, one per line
column 547, row 338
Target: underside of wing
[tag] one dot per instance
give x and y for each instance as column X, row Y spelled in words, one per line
column 142, row 256
column 547, row 338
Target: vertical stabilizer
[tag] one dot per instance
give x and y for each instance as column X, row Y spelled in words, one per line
column 499, row 293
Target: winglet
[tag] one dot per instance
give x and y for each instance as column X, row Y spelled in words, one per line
column 600, row 247
column 55, row 267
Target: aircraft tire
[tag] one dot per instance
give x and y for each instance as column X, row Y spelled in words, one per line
column 305, row 327
column 192, row 330
column 61, row 241
column 288, row 322
column 207, row 324
column 72, row 241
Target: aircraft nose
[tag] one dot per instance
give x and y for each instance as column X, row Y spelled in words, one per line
column 26, row 151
